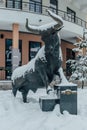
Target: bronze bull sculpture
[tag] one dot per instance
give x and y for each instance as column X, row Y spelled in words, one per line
column 45, row 64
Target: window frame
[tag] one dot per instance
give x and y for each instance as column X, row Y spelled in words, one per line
column 14, row 4
column 71, row 14
column 54, row 6
column 35, row 4
column 69, row 55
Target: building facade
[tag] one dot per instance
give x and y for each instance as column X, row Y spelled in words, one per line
column 18, row 46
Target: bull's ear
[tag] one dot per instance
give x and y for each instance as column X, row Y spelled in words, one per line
column 60, row 28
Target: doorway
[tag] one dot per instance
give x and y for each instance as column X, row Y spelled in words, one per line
column 8, row 57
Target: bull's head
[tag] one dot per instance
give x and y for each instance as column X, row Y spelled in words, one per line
column 48, row 32
column 47, row 28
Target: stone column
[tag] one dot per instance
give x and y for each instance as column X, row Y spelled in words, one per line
column 15, row 49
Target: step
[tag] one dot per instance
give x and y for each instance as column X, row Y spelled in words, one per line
column 5, row 84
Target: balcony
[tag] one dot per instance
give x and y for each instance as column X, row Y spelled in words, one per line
column 37, row 7
column 73, row 26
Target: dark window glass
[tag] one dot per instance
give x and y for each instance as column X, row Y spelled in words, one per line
column 33, row 49
column 20, row 49
column 69, row 55
column 14, row 4
column 35, row 6
column 8, row 56
column 54, row 2
column 53, row 5
column 9, row 4
column 71, row 14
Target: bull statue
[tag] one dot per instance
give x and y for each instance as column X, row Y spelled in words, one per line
column 40, row 71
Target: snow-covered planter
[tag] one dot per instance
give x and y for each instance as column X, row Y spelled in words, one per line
column 47, row 103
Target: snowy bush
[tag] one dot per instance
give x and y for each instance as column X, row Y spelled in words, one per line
column 79, row 65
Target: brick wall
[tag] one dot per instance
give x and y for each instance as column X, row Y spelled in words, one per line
column 26, row 37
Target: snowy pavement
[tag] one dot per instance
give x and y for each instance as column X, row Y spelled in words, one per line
column 16, row 115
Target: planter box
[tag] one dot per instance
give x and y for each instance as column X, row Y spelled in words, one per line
column 48, row 104
column 68, row 99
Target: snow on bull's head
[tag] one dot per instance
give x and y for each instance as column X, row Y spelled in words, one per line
column 48, row 32
column 48, row 28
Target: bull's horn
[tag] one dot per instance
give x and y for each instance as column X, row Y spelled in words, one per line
column 39, row 29
column 31, row 28
column 57, row 18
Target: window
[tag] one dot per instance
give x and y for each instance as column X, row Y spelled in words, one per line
column 35, row 6
column 54, row 5
column 14, row 4
column 69, row 55
column 54, row 2
column 8, row 56
column 33, row 49
column 71, row 15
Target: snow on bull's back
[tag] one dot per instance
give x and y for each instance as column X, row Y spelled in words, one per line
column 20, row 71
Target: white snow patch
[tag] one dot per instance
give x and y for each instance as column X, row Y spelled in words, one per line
column 20, row 71
column 62, row 76
column 16, row 115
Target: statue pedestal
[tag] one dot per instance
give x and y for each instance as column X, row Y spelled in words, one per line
column 68, row 98
column 48, row 104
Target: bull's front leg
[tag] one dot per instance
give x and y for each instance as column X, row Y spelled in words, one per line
column 60, row 70
column 62, row 76
column 49, row 89
column 44, row 78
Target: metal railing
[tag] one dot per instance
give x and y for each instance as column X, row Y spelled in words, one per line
column 66, row 16
column 72, row 18
column 37, row 7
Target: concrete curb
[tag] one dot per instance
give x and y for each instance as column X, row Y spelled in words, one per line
column 5, row 84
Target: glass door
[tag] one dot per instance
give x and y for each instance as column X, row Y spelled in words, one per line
column 8, row 58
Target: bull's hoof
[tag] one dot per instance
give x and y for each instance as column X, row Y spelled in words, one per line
column 14, row 91
column 25, row 101
column 48, row 91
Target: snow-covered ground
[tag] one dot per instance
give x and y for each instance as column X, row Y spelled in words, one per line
column 16, row 115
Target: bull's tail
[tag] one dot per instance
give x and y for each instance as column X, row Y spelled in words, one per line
column 14, row 90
